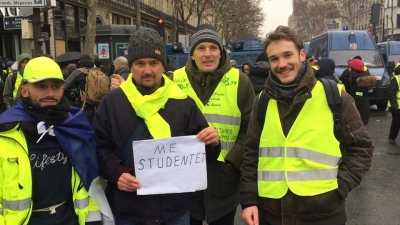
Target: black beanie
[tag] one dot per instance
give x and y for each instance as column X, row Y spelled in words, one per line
column 205, row 33
column 144, row 43
column 262, row 57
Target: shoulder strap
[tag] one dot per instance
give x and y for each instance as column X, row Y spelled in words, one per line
column 84, row 70
column 335, row 102
column 135, row 136
column 263, row 100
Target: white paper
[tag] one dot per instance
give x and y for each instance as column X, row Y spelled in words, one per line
column 170, row 165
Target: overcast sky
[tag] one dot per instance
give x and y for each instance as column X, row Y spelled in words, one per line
column 277, row 13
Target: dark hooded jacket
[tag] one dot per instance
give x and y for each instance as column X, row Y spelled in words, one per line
column 326, row 208
column 10, row 83
column 124, row 72
column 359, row 83
column 115, row 123
column 258, row 75
column 222, row 193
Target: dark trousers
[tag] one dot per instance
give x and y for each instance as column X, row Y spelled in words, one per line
column 228, row 219
column 395, row 126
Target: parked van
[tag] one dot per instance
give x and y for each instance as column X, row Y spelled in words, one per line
column 342, row 46
column 306, row 46
column 245, row 51
column 390, row 51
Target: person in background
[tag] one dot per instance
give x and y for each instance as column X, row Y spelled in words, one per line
column 233, row 63
column 121, row 67
column 246, row 69
column 325, row 68
column 71, row 68
column 394, row 104
column 259, row 73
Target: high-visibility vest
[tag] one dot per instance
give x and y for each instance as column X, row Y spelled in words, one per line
column 306, row 161
column 16, row 203
column 17, row 84
column 398, row 91
column 397, row 65
column 221, row 111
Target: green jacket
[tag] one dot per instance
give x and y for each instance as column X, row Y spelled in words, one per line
column 222, row 194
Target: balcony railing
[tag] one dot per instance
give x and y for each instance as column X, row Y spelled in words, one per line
column 154, row 12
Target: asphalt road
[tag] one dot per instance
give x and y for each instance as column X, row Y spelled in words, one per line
column 377, row 200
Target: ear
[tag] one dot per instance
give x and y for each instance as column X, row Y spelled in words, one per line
column 24, row 91
column 302, row 55
column 191, row 57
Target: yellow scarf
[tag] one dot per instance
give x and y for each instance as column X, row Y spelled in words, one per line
column 147, row 106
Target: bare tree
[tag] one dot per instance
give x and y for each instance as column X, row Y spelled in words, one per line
column 90, row 39
column 186, row 9
column 138, row 15
column 174, row 20
column 201, row 6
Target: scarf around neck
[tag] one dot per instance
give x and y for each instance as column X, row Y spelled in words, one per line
column 286, row 92
column 147, row 106
column 51, row 115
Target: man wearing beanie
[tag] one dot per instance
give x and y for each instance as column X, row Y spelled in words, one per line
column 224, row 95
column 147, row 105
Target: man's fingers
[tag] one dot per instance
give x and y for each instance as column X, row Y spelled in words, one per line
column 118, row 77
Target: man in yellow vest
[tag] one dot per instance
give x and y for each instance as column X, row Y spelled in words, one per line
column 147, row 105
column 293, row 171
column 224, row 95
column 48, row 166
column 394, row 104
column 11, row 92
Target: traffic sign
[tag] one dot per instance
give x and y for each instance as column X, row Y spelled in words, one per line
column 345, row 28
column 22, row 3
column 160, row 21
column 12, row 23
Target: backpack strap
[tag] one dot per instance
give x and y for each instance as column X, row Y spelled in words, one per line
column 135, row 136
column 263, row 100
column 84, row 70
column 335, row 102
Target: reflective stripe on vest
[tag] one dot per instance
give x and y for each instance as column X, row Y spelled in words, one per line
column 306, row 160
column 397, row 65
column 81, row 203
column 359, row 93
column 221, row 111
column 17, row 84
column 397, row 93
column 94, row 216
column 16, row 205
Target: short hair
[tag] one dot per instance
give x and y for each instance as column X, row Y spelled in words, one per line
column 84, row 57
column 121, row 60
column 71, row 67
column 284, row 33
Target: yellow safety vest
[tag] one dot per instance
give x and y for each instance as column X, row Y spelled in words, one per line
column 397, row 65
column 397, row 93
column 221, row 111
column 306, row 161
column 17, row 85
column 16, row 203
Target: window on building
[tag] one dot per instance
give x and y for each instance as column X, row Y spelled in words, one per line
column 69, row 18
column 82, row 17
column 58, row 24
column 398, row 21
column 398, row 2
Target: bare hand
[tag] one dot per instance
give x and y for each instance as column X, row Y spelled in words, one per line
column 250, row 215
column 209, row 136
column 116, row 80
column 127, row 182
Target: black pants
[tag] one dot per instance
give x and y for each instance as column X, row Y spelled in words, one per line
column 228, row 219
column 395, row 126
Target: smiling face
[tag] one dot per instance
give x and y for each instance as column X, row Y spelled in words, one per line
column 285, row 60
column 43, row 93
column 206, row 56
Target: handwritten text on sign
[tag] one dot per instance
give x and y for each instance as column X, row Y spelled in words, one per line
column 170, row 165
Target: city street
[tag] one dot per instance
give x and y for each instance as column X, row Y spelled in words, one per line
column 377, row 199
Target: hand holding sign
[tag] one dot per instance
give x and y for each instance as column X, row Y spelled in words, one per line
column 209, row 136
column 127, row 182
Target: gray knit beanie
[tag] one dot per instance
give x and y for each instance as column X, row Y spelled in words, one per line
column 205, row 33
column 144, row 43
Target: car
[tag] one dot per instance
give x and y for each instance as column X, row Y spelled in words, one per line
column 342, row 46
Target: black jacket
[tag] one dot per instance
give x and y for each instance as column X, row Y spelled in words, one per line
column 114, row 123
column 258, row 75
column 393, row 89
column 124, row 72
column 75, row 82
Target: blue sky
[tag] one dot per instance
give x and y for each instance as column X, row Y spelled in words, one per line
column 277, row 13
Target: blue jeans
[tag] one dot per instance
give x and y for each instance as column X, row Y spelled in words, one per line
column 183, row 219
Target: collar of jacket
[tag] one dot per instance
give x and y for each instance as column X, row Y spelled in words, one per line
column 122, row 70
column 205, row 79
column 303, row 91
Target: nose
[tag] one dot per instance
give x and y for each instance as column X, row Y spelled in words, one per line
column 147, row 69
column 49, row 91
column 207, row 52
column 282, row 63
